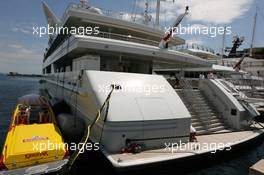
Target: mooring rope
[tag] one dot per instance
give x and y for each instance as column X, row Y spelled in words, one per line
column 86, row 136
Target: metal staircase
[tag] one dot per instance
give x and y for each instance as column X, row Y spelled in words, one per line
column 205, row 118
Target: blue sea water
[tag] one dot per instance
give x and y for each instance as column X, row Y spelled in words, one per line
column 12, row 88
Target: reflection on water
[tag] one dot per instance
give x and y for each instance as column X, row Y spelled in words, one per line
column 12, row 88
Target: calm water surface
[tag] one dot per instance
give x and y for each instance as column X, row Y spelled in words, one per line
column 12, row 88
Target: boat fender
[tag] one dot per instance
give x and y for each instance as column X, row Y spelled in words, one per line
column 72, row 127
column 42, row 81
column 61, row 107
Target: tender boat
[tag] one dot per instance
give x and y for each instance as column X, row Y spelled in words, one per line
column 28, row 146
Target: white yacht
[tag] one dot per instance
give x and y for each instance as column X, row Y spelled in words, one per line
column 253, row 66
column 144, row 111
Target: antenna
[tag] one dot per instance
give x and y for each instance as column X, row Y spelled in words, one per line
column 158, row 11
column 253, row 33
column 84, row 3
column 132, row 12
column 223, row 45
column 147, row 17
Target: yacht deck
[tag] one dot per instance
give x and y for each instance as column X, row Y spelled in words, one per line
column 205, row 144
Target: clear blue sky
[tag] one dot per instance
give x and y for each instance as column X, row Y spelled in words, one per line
column 21, row 51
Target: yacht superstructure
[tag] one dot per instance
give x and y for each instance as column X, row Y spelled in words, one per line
column 144, row 109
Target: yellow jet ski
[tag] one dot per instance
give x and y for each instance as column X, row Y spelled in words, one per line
column 34, row 144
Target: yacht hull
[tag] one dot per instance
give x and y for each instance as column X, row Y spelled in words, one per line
column 132, row 117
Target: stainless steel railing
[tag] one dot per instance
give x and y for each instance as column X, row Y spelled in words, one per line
column 109, row 13
column 126, row 38
column 195, row 46
column 116, row 37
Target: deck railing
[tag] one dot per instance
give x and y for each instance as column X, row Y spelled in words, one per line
column 116, row 36
column 194, row 46
column 126, row 38
column 109, row 13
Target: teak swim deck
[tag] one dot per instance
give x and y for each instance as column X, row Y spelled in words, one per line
column 216, row 141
